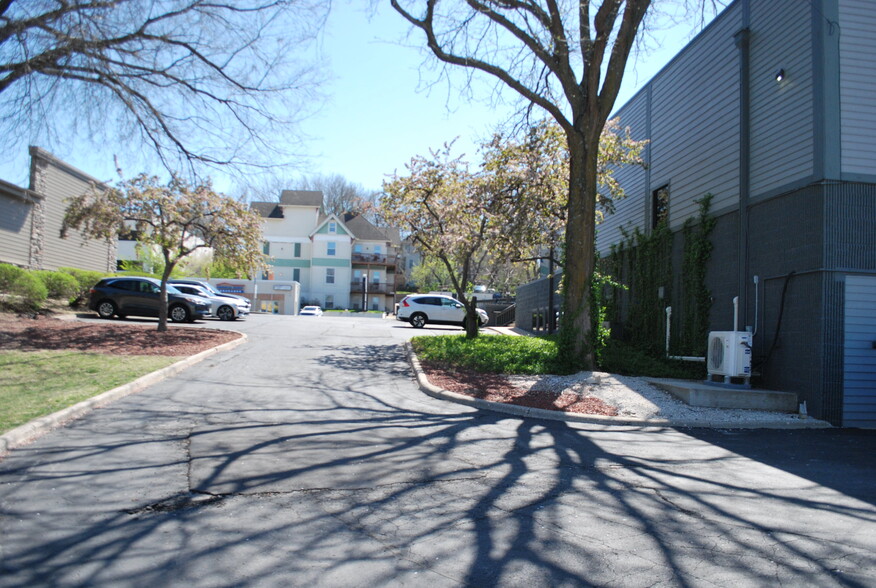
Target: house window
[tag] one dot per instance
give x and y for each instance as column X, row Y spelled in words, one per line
column 660, row 206
column 296, row 275
column 297, row 252
column 377, row 249
column 330, row 275
column 375, row 277
column 329, row 301
column 357, row 248
column 266, row 248
column 333, row 227
column 331, row 248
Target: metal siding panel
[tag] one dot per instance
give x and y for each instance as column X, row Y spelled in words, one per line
column 629, row 211
column 15, row 227
column 857, row 85
column 695, row 122
column 859, row 393
column 782, row 123
column 73, row 251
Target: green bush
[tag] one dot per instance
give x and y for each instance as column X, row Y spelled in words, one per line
column 86, row 278
column 626, row 360
column 504, row 354
column 8, row 274
column 28, row 292
column 60, row 285
column 508, row 354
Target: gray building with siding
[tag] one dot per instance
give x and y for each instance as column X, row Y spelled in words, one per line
column 791, row 163
column 30, row 219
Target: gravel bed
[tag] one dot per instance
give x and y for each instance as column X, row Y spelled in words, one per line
column 635, row 398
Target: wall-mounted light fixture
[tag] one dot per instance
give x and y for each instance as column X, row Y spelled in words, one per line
column 780, row 75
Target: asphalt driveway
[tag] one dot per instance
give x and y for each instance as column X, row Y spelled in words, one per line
column 308, row 456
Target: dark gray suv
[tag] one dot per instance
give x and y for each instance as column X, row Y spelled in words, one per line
column 141, row 297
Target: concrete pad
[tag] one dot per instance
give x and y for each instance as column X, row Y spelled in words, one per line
column 717, row 396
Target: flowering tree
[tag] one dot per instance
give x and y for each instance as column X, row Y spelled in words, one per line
column 514, row 203
column 535, row 171
column 448, row 215
column 177, row 218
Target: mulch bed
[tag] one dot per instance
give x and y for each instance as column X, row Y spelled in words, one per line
column 40, row 333
column 497, row 388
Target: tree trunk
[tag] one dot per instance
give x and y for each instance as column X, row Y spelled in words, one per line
column 575, row 326
column 162, row 304
column 471, row 318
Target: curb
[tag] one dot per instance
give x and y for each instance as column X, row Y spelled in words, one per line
column 555, row 415
column 38, row 427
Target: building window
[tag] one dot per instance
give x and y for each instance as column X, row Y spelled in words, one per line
column 377, row 249
column 296, row 275
column 297, row 252
column 266, row 248
column 375, row 277
column 331, row 248
column 330, row 275
column 660, row 207
column 357, row 248
column 329, row 301
column 333, row 227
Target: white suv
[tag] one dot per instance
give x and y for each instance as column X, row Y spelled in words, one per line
column 419, row 309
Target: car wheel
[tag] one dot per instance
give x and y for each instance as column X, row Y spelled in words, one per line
column 106, row 309
column 225, row 313
column 418, row 320
column 179, row 314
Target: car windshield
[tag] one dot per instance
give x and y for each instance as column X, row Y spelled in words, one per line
column 172, row 290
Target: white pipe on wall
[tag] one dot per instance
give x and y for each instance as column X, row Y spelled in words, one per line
column 679, row 357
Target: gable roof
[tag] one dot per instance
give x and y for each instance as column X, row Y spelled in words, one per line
column 267, row 209
column 324, row 219
column 363, row 229
column 301, row 198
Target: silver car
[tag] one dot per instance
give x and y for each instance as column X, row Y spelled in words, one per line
column 224, row 308
column 419, row 309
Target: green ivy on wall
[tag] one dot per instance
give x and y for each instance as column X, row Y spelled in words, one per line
column 696, row 299
column 641, row 267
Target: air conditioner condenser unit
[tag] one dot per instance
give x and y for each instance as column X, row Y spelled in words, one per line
column 729, row 354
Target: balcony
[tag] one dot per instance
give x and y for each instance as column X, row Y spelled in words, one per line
column 387, row 260
column 373, row 287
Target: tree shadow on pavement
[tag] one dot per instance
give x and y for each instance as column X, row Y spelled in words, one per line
column 372, row 483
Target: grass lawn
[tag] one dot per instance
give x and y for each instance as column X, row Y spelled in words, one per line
column 37, row 383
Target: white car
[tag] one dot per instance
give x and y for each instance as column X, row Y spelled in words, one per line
column 420, row 309
column 223, row 308
column 242, row 302
column 311, row 311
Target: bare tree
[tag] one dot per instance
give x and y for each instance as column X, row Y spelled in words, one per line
column 340, row 195
column 566, row 58
column 197, row 82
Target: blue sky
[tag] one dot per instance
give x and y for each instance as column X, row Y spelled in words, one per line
column 379, row 111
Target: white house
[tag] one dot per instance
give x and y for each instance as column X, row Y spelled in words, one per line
column 339, row 262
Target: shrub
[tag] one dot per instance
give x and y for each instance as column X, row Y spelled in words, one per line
column 86, row 279
column 59, row 284
column 8, row 274
column 626, row 360
column 506, row 354
column 28, row 291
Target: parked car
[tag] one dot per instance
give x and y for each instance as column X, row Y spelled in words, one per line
column 420, row 309
column 311, row 311
column 243, row 302
column 222, row 307
column 125, row 296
